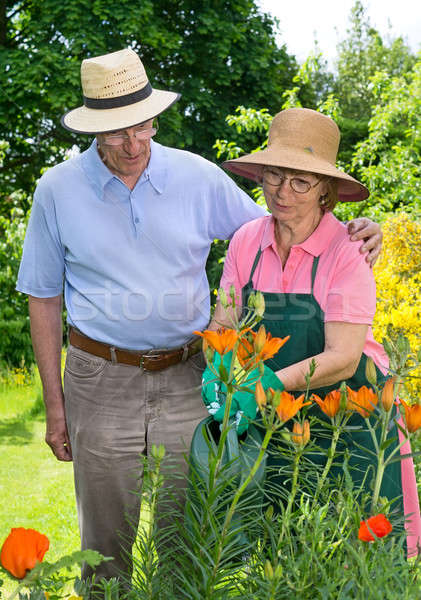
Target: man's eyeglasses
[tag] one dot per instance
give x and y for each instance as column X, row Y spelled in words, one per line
column 297, row 184
column 119, row 139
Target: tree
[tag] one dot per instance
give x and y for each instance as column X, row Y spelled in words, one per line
column 388, row 160
column 360, row 55
column 218, row 54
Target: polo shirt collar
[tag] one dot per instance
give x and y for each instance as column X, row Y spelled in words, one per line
column 315, row 244
column 157, row 169
column 100, row 175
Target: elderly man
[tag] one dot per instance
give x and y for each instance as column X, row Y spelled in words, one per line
column 127, row 225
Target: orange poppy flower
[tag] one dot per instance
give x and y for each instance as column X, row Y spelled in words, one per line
column 363, row 401
column 412, row 416
column 330, row 405
column 222, row 341
column 379, row 525
column 255, row 347
column 301, row 433
column 289, row 405
column 22, row 549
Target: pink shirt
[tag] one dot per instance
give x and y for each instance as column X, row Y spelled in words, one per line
column 344, row 287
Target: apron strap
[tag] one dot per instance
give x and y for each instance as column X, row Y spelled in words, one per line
column 253, row 268
column 313, row 273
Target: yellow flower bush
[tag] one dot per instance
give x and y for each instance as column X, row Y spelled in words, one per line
column 398, row 278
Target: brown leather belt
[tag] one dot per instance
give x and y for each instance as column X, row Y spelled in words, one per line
column 150, row 360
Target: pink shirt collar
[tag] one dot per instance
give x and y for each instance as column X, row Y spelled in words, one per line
column 318, row 241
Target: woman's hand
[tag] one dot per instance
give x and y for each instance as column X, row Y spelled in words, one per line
column 369, row 231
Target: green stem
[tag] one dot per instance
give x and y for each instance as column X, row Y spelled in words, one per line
column 294, row 484
column 236, row 499
column 381, row 464
column 332, row 450
column 291, row 496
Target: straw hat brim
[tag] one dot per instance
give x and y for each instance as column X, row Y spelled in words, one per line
column 89, row 120
column 251, row 166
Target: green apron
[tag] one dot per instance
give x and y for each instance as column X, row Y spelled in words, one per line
column 301, row 317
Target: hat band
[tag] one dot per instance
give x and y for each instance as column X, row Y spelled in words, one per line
column 105, row 103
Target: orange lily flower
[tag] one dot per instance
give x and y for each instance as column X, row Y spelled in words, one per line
column 258, row 346
column 272, row 346
column 330, row 405
column 22, row 549
column 289, row 405
column 245, row 352
column 363, row 401
column 412, row 416
column 222, row 341
column 379, row 525
column 301, row 433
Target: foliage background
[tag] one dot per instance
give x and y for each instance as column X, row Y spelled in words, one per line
column 223, row 58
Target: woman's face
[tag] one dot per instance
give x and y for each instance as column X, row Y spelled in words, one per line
column 292, row 196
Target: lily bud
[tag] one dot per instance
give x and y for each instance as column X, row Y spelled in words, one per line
column 223, row 297
column 388, row 395
column 343, row 405
column 276, row 397
column 260, row 339
column 232, row 294
column 209, row 353
column 261, row 367
column 251, row 302
column 301, row 433
column 260, row 396
column 370, row 371
column 268, row 570
column 269, row 512
column 259, row 304
column 158, row 452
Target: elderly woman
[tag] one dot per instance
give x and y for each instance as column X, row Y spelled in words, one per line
column 317, row 286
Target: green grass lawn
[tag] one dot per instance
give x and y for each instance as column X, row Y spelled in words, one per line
column 35, row 489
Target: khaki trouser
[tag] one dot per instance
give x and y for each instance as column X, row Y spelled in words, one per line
column 114, row 413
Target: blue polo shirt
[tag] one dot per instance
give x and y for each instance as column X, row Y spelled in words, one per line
column 132, row 261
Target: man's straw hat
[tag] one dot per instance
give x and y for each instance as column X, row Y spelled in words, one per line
column 116, row 94
column 305, row 140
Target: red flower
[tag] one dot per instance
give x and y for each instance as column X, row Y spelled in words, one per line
column 22, row 549
column 379, row 525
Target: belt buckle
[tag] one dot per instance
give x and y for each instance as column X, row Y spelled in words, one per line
column 147, row 355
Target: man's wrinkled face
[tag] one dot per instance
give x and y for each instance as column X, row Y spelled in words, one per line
column 130, row 156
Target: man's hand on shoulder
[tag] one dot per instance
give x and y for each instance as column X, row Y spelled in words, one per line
column 56, row 435
column 369, row 231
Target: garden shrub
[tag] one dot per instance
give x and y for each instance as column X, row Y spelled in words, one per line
column 15, row 338
column 398, row 279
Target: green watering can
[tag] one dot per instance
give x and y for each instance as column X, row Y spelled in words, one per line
column 239, row 456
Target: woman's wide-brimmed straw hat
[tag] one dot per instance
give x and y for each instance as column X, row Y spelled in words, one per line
column 116, row 94
column 305, row 140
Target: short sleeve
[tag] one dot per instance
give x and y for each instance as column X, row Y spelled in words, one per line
column 233, row 208
column 351, row 296
column 230, row 274
column 42, row 266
